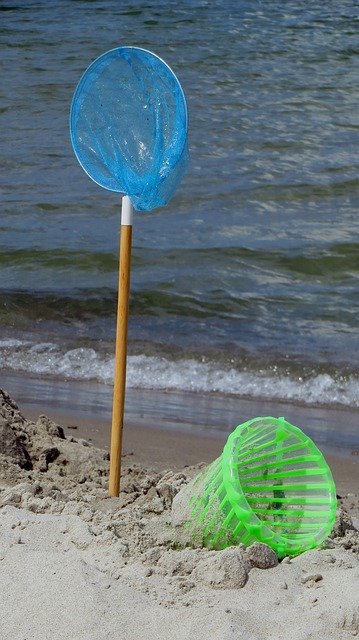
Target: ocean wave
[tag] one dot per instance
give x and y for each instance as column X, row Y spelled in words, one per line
column 183, row 374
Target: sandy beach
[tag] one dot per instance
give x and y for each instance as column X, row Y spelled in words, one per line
column 77, row 564
column 242, row 303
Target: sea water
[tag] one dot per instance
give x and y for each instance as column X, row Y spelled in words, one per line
column 247, row 282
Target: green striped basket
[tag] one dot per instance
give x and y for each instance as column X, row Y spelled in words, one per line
column 271, row 484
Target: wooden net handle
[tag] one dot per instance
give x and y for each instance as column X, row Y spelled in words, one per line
column 119, row 387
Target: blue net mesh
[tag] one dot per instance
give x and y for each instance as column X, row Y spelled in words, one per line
column 128, row 126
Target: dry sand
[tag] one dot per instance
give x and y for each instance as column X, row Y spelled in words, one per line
column 76, row 564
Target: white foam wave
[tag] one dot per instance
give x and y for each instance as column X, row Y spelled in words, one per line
column 154, row 372
column 191, row 375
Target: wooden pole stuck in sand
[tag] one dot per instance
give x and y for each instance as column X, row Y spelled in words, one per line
column 119, row 387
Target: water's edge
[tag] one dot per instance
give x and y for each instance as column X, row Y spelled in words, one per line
column 208, row 415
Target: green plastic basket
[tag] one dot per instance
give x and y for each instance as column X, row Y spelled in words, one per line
column 271, row 484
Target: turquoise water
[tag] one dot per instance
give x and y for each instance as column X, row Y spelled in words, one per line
column 247, row 282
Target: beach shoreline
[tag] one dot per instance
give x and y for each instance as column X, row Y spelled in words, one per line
column 84, row 412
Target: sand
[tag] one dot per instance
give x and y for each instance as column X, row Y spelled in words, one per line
column 77, row 564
